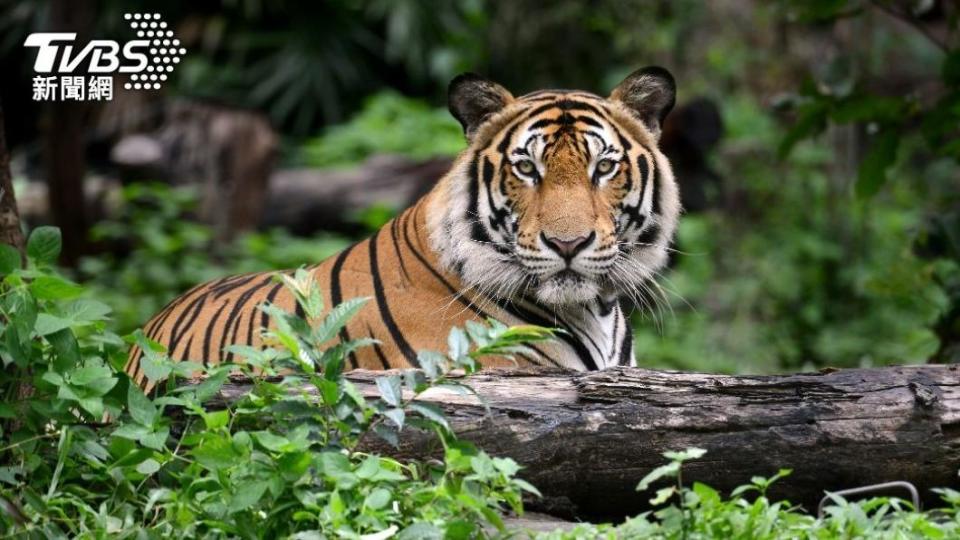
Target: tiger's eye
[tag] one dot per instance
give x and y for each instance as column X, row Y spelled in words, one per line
column 526, row 167
column 605, row 166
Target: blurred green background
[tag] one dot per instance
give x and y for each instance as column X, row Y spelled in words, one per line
column 824, row 226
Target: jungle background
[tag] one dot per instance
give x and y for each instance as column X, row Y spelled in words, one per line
column 815, row 142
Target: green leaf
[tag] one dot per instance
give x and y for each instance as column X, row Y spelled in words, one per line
column 336, row 467
column 53, row 288
column 85, row 310
column 155, row 366
column 89, row 373
column 142, row 410
column 662, row 495
column 148, row 467
column 131, row 431
column 397, row 416
column 93, row 405
column 378, row 498
column 368, row 469
column 431, row 412
column 9, row 259
column 421, row 531
column 65, row 348
column 329, row 391
column 458, row 343
column 216, row 419
column 293, row 465
column 247, row 494
column 44, row 244
column 432, row 363
column 216, row 453
column 664, row 471
column 48, row 324
column 271, row 441
column 155, row 439
column 95, row 376
column 685, row 455
column 391, row 389
column 337, row 319
column 873, row 168
column 388, row 434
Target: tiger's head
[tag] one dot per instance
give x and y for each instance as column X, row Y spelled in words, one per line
column 561, row 196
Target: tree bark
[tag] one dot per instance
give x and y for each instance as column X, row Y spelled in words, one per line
column 585, row 440
column 10, row 231
column 64, row 142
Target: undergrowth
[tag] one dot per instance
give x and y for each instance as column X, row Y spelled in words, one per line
column 288, row 458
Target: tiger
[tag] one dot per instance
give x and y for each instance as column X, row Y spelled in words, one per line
column 560, row 206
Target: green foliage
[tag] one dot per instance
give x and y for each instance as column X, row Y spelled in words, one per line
column 388, row 123
column 699, row 511
column 919, row 125
column 284, row 460
column 161, row 252
column 794, row 273
column 280, row 460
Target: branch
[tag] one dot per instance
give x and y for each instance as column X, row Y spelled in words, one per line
column 585, row 440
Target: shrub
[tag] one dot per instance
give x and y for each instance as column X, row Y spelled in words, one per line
column 277, row 462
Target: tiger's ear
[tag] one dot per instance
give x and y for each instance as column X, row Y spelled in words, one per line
column 472, row 99
column 649, row 93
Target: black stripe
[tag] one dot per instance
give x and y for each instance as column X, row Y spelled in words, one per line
column 437, row 275
column 169, row 308
column 186, row 350
column 477, row 232
column 209, row 333
column 385, row 314
column 175, row 335
column 626, row 348
column 616, row 328
column 590, row 121
column 544, row 122
column 648, row 235
column 234, row 317
column 564, row 105
column 396, row 246
column 264, row 316
column 525, row 315
column 376, row 348
column 224, row 288
column 336, row 295
column 224, row 344
column 460, row 297
column 655, row 188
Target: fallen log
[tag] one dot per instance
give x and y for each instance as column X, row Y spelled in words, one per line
column 585, row 440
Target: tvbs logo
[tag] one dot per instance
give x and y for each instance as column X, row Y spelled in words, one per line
column 148, row 61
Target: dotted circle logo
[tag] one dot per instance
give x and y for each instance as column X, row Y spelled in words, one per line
column 165, row 51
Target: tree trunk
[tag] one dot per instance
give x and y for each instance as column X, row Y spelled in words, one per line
column 66, row 162
column 585, row 440
column 10, row 231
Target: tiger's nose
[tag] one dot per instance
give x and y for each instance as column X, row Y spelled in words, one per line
column 568, row 249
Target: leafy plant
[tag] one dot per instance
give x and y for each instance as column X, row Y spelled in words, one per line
column 788, row 274
column 159, row 252
column 388, row 123
column 280, row 460
column 911, row 126
column 699, row 511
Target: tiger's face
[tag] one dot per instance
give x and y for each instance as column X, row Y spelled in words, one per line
column 561, row 196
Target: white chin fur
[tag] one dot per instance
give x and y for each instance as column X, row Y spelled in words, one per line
column 566, row 291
